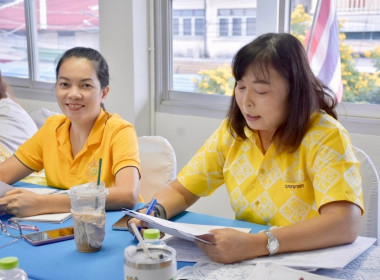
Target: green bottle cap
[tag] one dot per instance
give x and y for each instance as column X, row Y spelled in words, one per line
column 151, row 233
column 8, row 263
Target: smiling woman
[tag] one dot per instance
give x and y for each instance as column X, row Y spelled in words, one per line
column 69, row 146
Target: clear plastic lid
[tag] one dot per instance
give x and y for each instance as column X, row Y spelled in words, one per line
column 151, row 234
column 8, row 263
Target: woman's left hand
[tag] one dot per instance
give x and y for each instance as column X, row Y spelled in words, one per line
column 21, row 203
column 228, row 245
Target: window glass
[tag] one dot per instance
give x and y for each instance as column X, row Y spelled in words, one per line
column 201, row 61
column 55, row 26
column 13, row 47
column 359, row 23
column 236, row 27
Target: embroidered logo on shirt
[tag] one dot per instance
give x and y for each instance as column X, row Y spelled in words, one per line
column 297, row 186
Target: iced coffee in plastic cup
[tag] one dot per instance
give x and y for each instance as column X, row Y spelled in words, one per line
column 88, row 209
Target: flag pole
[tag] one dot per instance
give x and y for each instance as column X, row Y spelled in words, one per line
column 315, row 17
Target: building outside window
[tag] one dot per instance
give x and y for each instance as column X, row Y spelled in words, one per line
column 35, row 33
column 203, row 66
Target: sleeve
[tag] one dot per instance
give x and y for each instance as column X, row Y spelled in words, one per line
column 203, row 174
column 30, row 153
column 125, row 151
column 336, row 173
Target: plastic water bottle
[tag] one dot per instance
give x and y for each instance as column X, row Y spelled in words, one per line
column 152, row 238
column 9, row 269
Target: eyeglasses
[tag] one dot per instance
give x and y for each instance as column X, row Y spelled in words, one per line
column 12, row 229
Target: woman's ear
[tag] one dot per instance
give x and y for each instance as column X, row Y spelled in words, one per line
column 105, row 92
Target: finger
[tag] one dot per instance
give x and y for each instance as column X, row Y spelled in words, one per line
column 208, row 237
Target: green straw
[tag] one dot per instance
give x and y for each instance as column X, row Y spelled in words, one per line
column 99, row 171
column 98, row 182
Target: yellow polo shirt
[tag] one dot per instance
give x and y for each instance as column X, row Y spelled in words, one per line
column 112, row 139
column 278, row 189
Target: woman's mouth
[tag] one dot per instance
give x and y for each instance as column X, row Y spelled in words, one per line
column 74, row 107
column 251, row 118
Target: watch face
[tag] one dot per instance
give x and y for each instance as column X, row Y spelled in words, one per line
column 273, row 246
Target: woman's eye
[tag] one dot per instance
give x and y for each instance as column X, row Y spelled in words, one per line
column 87, row 86
column 62, row 84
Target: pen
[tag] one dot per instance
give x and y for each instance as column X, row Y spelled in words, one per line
column 24, row 227
column 151, row 206
column 148, row 212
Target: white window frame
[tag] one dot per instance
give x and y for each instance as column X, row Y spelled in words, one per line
column 30, row 87
column 357, row 118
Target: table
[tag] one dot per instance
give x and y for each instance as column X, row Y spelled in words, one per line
column 62, row 260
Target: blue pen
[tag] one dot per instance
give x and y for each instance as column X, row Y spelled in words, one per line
column 148, row 212
column 151, row 206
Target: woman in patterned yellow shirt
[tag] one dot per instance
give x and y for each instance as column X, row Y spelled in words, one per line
column 282, row 155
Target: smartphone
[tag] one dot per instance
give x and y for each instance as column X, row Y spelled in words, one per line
column 121, row 224
column 50, row 236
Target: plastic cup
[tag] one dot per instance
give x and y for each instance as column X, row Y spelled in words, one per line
column 88, row 208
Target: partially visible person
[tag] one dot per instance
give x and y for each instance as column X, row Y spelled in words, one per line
column 284, row 158
column 16, row 126
column 69, row 146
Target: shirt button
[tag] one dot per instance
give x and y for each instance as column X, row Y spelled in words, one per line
column 262, row 171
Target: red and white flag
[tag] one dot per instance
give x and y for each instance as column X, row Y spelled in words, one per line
column 322, row 44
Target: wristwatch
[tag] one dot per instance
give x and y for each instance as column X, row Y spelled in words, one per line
column 272, row 245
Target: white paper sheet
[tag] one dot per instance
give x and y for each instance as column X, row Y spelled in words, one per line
column 180, row 230
column 278, row 272
column 330, row 258
column 187, row 251
column 4, row 188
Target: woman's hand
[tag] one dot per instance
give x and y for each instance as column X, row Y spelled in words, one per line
column 228, row 245
column 22, row 203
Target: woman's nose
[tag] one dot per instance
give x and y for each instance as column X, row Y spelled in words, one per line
column 75, row 92
column 247, row 100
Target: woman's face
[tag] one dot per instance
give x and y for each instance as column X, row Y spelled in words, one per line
column 263, row 101
column 78, row 90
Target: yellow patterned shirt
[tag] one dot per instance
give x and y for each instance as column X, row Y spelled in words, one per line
column 111, row 138
column 278, row 189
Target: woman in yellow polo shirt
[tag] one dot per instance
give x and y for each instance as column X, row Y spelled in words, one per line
column 69, row 146
column 282, row 155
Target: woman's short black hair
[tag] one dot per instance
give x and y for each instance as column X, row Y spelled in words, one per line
column 285, row 54
column 92, row 55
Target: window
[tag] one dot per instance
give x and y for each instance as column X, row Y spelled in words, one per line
column 236, row 27
column 187, row 27
column 192, row 76
column 34, row 33
column 360, row 54
column 190, row 21
column 223, row 27
column 232, row 22
column 251, row 26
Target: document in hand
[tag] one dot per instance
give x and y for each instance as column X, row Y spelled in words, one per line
column 4, row 188
column 175, row 229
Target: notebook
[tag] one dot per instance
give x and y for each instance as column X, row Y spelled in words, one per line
column 49, row 218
